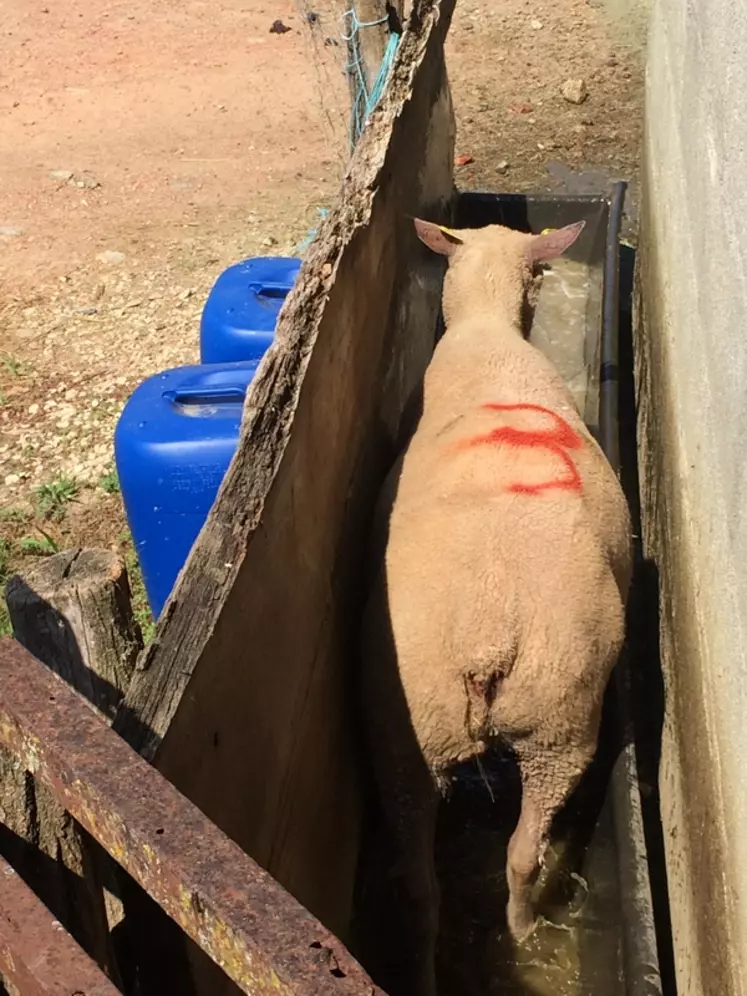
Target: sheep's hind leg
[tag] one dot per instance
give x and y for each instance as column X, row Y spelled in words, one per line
column 549, row 776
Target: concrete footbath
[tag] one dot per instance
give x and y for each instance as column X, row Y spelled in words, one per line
column 598, row 899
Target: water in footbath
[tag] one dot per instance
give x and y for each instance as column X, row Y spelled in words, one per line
column 575, row 949
column 559, row 326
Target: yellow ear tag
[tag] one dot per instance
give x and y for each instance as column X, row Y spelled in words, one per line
column 454, row 235
column 545, row 231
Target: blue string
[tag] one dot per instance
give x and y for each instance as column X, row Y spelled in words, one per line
column 377, row 90
column 365, row 102
column 311, row 234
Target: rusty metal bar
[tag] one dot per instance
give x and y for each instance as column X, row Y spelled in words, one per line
column 262, row 938
column 37, row 955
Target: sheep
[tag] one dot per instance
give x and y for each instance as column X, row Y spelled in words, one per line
column 501, row 577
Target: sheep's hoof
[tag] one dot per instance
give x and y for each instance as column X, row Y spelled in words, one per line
column 521, row 922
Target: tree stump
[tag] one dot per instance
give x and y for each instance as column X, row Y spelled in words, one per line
column 72, row 611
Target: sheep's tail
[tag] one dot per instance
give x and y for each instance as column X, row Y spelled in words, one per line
column 483, row 678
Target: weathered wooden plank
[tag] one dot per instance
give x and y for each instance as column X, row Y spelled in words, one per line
column 244, row 699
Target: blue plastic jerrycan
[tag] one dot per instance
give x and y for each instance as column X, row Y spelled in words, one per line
column 173, row 443
column 240, row 314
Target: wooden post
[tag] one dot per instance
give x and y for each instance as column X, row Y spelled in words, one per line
column 72, row 611
column 372, row 39
column 367, row 46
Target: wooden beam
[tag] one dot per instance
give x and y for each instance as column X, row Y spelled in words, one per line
column 246, row 699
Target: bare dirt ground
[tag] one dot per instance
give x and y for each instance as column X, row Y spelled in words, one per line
column 143, row 149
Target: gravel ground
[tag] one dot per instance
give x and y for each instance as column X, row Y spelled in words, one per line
column 149, row 150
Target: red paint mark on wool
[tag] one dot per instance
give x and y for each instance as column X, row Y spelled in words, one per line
column 556, row 439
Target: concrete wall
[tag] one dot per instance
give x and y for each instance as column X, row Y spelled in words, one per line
column 692, row 384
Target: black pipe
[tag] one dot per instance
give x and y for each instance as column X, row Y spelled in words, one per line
column 640, row 955
column 609, row 374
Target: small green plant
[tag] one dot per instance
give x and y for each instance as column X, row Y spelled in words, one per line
column 109, row 483
column 43, row 547
column 12, row 364
column 6, row 551
column 14, row 514
column 140, row 605
column 51, row 499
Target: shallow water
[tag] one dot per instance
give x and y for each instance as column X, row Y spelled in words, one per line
column 575, row 950
column 560, row 325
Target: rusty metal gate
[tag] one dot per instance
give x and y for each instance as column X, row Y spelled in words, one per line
column 263, row 939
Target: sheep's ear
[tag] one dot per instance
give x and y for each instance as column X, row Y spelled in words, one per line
column 552, row 244
column 440, row 240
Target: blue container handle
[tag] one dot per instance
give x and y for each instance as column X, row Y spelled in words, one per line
column 269, row 288
column 186, row 396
